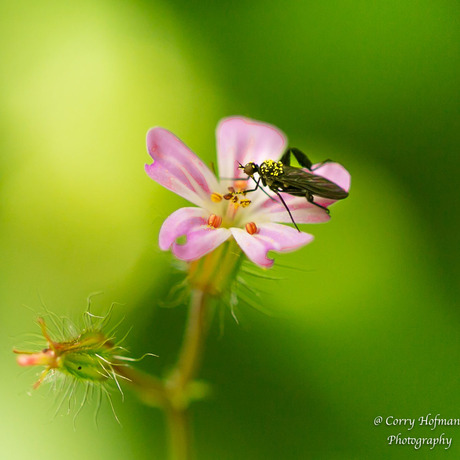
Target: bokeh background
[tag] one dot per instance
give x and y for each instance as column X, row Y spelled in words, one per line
column 365, row 321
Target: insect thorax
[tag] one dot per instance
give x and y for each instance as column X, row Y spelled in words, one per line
column 270, row 168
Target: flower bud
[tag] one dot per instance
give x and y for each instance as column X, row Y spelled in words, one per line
column 90, row 356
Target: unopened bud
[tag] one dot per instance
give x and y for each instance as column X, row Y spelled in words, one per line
column 88, row 357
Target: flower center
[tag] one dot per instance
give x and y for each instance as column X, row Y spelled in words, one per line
column 236, row 200
column 227, row 215
column 234, row 197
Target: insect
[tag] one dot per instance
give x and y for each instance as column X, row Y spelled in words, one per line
column 280, row 176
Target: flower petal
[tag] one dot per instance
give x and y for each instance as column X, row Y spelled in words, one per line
column 200, row 241
column 191, row 223
column 177, row 168
column 241, row 140
column 180, row 223
column 271, row 237
column 302, row 211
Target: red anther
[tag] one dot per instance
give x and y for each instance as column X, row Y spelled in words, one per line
column 214, row 221
column 251, row 228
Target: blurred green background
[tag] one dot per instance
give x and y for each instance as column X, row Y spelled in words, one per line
column 368, row 322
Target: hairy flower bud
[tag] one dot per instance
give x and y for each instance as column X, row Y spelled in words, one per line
column 90, row 356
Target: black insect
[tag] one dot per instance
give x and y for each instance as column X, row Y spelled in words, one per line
column 280, row 176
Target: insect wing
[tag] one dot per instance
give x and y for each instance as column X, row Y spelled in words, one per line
column 317, row 185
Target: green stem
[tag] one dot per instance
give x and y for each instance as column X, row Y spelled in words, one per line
column 192, row 345
column 180, row 447
column 183, row 375
column 149, row 389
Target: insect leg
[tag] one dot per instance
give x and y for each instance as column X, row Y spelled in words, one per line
column 309, row 197
column 299, row 156
column 269, row 196
column 286, row 158
column 321, row 164
column 302, row 158
column 259, row 187
column 256, row 187
column 287, row 209
column 234, row 178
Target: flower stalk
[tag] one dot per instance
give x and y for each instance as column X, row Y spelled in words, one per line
column 183, row 375
column 190, row 353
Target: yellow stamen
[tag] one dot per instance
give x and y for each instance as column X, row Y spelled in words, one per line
column 216, row 197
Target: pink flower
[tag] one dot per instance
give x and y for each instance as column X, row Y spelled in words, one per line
column 252, row 219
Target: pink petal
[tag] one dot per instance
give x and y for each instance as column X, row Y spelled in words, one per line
column 191, row 223
column 179, row 223
column 177, row 168
column 302, row 211
column 336, row 173
column 271, row 237
column 200, row 241
column 242, row 140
